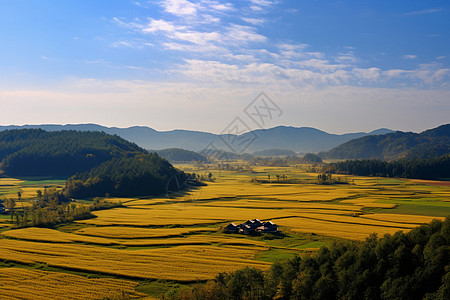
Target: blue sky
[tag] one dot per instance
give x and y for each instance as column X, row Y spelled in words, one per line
column 340, row 66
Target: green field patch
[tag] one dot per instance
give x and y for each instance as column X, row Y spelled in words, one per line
column 48, row 182
column 315, row 244
column 276, row 254
column 423, row 209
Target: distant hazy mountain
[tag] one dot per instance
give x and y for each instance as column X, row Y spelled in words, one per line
column 297, row 139
column 273, row 152
column 396, row 145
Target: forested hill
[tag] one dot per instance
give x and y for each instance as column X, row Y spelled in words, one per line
column 127, row 176
column 180, row 155
column 397, row 145
column 35, row 152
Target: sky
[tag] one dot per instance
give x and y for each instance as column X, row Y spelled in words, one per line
column 339, row 66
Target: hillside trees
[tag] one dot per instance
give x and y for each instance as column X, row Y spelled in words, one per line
column 126, row 176
column 35, row 152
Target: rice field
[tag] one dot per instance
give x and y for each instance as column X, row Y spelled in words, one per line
column 54, row 236
column 36, row 285
column 179, row 237
column 117, row 232
column 181, row 263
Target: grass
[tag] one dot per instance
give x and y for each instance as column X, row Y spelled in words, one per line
column 274, row 255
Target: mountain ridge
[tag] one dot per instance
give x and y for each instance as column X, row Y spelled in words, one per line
column 297, row 139
column 395, row 145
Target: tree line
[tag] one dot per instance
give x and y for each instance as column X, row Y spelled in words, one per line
column 51, row 207
column 432, row 168
column 413, row 265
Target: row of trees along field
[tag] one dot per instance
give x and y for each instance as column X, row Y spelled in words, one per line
column 52, row 207
column 432, row 168
column 284, row 161
column 128, row 176
column 415, row 265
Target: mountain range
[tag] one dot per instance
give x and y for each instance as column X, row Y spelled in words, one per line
column 297, row 139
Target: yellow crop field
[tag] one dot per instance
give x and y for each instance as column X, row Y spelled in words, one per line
column 179, row 237
column 55, row 236
column 35, row 284
column 10, row 181
column 179, row 214
column 196, row 240
column 260, row 203
column 118, row 232
column 341, row 230
column 402, row 219
column 181, row 263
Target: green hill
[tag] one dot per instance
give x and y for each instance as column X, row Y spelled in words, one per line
column 397, row 145
column 35, row 152
column 181, row 155
column 146, row 174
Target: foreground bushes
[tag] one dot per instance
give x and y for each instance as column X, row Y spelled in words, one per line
column 415, row 265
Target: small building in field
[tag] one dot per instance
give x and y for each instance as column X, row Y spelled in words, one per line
column 233, row 228
column 252, row 226
column 268, row 227
column 2, row 208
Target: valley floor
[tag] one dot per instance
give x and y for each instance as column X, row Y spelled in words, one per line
column 153, row 245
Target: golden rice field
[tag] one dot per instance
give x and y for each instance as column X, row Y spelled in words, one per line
column 54, row 236
column 181, row 263
column 118, row 232
column 178, row 237
column 36, row 285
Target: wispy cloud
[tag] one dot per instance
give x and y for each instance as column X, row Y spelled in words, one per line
column 423, row 12
column 254, row 21
column 237, row 52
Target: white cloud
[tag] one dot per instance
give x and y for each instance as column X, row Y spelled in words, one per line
column 371, row 74
column 320, row 64
column 180, row 7
column 409, row 56
column 346, row 58
column 440, row 57
column 242, row 34
column 161, row 25
column 262, row 2
column 254, row 21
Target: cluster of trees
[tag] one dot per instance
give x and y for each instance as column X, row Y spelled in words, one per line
column 415, row 265
column 285, row 161
column 428, row 144
column 51, row 207
column 433, row 168
column 146, row 174
column 274, row 152
column 181, row 155
column 35, row 152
